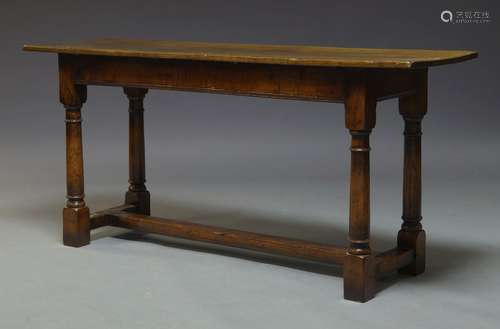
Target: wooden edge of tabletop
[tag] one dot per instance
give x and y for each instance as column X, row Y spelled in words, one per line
column 360, row 60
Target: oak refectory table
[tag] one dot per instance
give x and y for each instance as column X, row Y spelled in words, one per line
column 357, row 77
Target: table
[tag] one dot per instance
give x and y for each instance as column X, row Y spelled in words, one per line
column 357, row 77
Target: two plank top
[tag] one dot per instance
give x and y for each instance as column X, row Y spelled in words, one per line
column 262, row 54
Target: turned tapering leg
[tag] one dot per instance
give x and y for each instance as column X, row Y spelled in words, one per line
column 359, row 266
column 76, row 222
column 412, row 236
column 137, row 193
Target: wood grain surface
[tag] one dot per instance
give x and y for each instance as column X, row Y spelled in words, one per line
column 257, row 53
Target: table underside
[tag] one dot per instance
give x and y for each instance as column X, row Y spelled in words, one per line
column 359, row 90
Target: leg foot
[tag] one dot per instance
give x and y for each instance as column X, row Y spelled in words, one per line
column 141, row 199
column 359, row 277
column 413, row 240
column 76, row 227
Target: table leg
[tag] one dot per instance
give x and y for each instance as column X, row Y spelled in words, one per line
column 76, row 222
column 359, row 265
column 412, row 236
column 137, row 193
column 76, row 217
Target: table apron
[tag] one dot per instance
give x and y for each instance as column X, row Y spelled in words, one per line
column 324, row 84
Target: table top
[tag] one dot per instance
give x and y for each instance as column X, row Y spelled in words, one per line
column 258, row 53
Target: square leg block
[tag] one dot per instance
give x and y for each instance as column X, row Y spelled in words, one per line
column 413, row 240
column 141, row 199
column 76, row 227
column 359, row 277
